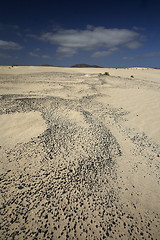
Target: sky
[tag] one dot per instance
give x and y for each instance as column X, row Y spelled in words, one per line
column 110, row 33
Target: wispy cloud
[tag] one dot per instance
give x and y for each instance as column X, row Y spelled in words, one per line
column 31, row 35
column 70, row 41
column 5, row 55
column 38, row 55
column 33, row 54
column 138, row 28
column 45, row 56
column 8, row 27
column 37, row 49
column 146, row 55
column 9, row 45
column 66, row 51
column 105, row 53
column 133, row 44
column 151, row 54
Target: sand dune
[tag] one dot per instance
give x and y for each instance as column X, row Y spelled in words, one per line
column 80, row 153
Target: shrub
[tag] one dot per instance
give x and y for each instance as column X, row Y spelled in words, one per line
column 106, row 73
column 132, row 76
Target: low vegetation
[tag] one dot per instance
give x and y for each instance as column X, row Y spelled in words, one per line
column 104, row 74
column 85, row 66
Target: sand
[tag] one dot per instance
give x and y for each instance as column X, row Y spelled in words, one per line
column 20, row 127
column 80, row 153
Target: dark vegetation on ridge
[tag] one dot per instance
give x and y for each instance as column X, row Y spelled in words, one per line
column 47, row 65
column 85, row 66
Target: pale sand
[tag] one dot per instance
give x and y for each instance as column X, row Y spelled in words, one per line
column 20, row 127
column 80, row 153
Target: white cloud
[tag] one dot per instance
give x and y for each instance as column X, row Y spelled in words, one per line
column 9, row 45
column 38, row 55
column 33, row 54
column 128, row 58
column 45, row 56
column 70, row 41
column 104, row 53
column 138, row 28
column 66, row 51
column 133, row 45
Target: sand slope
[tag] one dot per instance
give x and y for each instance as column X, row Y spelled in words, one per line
column 80, row 153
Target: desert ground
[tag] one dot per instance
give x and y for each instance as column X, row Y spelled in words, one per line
column 80, row 153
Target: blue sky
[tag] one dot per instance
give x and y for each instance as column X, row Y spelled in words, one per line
column 108, row 33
